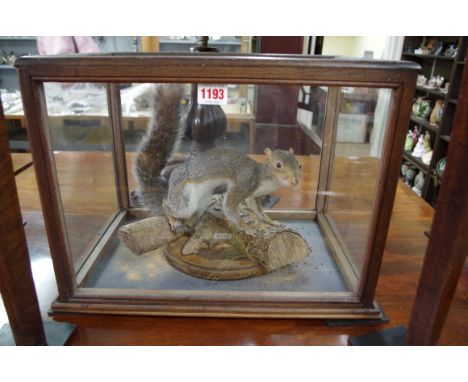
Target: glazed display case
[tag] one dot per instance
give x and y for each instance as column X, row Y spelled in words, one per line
column 344, row 120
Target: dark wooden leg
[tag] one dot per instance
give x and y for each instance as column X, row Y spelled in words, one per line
column 16, row 282
column 448, row 244
column 447, row 248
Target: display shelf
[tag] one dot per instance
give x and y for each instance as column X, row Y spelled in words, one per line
column 428, row 56
column 432, row 65
column 416, row 161
column 431, row 91
column 438, row 176
column 445, row 138
column 425, row 123
column 19, row 46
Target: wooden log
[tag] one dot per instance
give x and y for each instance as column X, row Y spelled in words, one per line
column 215, row 249
column 147, row 234
column 218, row 251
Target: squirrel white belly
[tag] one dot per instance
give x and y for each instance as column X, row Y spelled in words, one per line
column 192, row 183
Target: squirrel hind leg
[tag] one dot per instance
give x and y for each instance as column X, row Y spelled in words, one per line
column 177, row 225
column 230, row 207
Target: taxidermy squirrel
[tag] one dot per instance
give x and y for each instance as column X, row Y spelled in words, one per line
column 192, row 183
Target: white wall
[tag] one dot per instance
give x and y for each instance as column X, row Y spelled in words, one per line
column 375, row 44
column 338, row 45
column 354, row 46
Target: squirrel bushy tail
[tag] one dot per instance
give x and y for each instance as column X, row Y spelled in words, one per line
column 162, row 137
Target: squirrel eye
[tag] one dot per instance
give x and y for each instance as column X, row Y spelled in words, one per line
column 278, row 164
column 300, row 167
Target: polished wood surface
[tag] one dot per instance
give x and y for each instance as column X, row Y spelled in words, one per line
column 21, row 161
column 448, row 244
column 16, row 281
column 230, row 68
column 395, row 292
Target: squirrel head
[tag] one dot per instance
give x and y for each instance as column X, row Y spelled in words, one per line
column 284, row 165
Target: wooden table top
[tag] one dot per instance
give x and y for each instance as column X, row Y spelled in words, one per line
column 21, row 161
column 396, row 289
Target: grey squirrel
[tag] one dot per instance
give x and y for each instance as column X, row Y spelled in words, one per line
column 192, row 183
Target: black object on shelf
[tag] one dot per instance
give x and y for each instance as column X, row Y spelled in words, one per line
column 204, row 123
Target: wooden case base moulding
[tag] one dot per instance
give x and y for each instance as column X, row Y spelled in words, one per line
column 135, row 306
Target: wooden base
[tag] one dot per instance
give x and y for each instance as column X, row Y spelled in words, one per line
column 207, row 266
column 214, row 309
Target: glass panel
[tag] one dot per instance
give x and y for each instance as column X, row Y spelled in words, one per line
column 81, row 138
column 311, row 118
column 257, row 116
column 253, row 118
column 362, row 123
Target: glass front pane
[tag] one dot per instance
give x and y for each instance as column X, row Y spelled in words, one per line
column 81, row 138
column 257, row 117
column 362, row 124
column 305, row 151
column 252, row 119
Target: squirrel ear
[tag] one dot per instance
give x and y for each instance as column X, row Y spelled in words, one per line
column 291, row 150
column 267, row 152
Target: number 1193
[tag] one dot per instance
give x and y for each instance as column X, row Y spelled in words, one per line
column 212, row 93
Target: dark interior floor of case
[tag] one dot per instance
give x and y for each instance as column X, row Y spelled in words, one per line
column 120, row 268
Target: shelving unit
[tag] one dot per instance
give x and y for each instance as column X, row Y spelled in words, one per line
column 433, row 92
column 20, row 45
column 450, row 68
column 425, row 123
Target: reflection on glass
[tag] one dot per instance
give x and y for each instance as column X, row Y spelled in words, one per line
column 137, row 105
column 362, row 123
column 258, row 116
column 81, row 138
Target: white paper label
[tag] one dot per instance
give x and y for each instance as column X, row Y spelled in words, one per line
column 212, row 94
column 222, row 236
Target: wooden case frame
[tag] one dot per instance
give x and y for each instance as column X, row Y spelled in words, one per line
column 218, row 68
